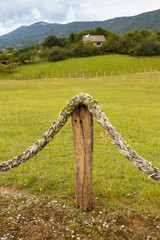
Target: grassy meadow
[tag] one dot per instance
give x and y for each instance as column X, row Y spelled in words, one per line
column 107, row 65
column 131, row 102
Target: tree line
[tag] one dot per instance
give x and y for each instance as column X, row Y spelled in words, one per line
column 136, row 43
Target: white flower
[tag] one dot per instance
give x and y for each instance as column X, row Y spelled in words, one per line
column 121, row 227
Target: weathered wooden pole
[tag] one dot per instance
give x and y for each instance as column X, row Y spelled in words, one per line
column 82, row 125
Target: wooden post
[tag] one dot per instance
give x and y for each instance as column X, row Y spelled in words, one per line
column 82, row 125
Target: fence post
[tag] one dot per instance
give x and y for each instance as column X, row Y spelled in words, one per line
column 82, row 125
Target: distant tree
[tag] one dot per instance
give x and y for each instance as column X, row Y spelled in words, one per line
column 57, row 53
column 158, row 35
column 129, row 41
column 90, row 50
column 102, row 31
column 44, row 54
column 78, row 36
column 4, row 57
column 23, row 55
column 76, row 50
column 51, row 41
column 140, row 43
column 105, row 48
column 113, row 43
column 71, row 38
column 9, row 49
column 6, row 68
column 146, row 33
column 147, row 47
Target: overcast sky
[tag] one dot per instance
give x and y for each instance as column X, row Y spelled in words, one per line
column 15, row 13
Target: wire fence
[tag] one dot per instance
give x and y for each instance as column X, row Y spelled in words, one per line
column 82, row 74
column 53, row 169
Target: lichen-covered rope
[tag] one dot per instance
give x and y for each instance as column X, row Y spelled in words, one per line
column 100, row 117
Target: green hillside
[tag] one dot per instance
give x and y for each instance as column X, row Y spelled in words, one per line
column 112, row 64
column 36, row 33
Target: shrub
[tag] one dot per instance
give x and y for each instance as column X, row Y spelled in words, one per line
column 57, row 54
column 6, row 68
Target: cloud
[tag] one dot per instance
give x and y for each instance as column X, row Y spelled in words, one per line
column 36, row 14
column 17, row 12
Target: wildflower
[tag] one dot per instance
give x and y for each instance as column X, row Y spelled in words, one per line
column 104, row 224
column 99, row 229
column 93, row 220
column 121, row 227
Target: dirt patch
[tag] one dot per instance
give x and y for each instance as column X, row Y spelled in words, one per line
column 30, row 217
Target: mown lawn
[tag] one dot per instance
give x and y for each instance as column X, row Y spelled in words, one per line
column 131, row 102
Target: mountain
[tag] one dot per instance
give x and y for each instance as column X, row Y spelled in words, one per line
column 37, row 32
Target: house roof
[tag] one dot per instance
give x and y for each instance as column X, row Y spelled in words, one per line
column 94, row 38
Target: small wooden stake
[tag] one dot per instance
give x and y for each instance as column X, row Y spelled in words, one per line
column 82, row 125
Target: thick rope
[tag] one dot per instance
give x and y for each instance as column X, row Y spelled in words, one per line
column 100, row 117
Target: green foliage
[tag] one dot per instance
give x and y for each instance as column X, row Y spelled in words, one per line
column 6, row 68
column 139, row 43
column 24, row 55
column 136, row 43
column 102, row 31
column 36, row 33
column 3, row 57
column 51, row 41
column 72, row 38
column 147, row 47
column 56, row 54
column 113, row 43
column 9, row 49
column 77, row 50
column 44, row 54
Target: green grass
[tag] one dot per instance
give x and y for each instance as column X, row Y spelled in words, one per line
column 110, row 64
column 132, row 104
